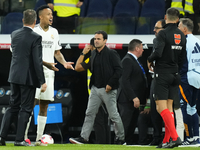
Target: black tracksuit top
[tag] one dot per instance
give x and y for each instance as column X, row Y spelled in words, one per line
column 170, row 50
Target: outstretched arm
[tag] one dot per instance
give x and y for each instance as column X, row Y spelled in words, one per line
column 59, row 57
column 50, row 66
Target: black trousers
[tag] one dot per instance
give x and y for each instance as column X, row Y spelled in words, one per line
column 20, row 106
column 157, row 120
column 129, row 115
column 144, row 122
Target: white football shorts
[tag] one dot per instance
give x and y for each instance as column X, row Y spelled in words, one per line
column 49, row 93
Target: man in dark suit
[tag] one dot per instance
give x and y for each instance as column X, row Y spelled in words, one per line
column 132, row 90
column 26, row 73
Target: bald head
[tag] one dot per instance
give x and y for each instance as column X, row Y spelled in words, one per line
column 159, row 26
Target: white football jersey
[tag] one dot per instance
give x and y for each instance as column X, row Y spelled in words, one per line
column 50, row 43
column 193, row 60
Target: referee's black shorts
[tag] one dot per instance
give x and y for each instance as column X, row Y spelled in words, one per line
column 166, row 87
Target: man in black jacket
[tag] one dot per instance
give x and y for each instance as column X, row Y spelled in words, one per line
column 26, row 73
column 170, row 51
column 132, row 91
column 157, row 121
column 101, row 121
column 106, row 70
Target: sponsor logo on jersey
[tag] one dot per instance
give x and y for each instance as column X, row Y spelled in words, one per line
column 47, row 44
column 196, row 62
column 196, row 48
column 177, row 38
column 176, row 47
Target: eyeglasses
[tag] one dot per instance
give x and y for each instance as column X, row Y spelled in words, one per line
column 156, row 28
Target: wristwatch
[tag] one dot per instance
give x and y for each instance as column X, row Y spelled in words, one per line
column 82, row 54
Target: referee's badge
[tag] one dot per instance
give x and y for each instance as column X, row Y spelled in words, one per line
column 52, row 36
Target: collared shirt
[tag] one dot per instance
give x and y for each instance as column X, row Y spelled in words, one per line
column 29, row 27
column 132, row 55
column 137, row 61
column 97, row 71
column 140, row 67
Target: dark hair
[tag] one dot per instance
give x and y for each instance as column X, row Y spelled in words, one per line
column 92, row 42
column 29, row 16
column 133, row 44
column 105, row 35
column 172, row 14
column 41, row 8
column 188, row 23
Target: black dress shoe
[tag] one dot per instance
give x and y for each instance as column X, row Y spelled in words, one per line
column 23, row 143
column 119, row 142
column 155, row 142
column 2, row 142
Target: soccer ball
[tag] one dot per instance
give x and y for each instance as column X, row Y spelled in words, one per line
column 47, row 139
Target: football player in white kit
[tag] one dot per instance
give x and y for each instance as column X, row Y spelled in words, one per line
column 51, row 49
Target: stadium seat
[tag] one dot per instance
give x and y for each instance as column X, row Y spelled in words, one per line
column 97, row 18
column 98, row 8
column 84, row 8
column 125, row 16
column 127, row 8
column 153, row 8
column 89, row 25
column 11, row 22
column 151, row 12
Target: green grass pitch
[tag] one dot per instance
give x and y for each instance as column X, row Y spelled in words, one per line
column 10, row 146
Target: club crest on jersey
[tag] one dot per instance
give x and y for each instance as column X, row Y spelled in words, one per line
column 177, row 38
column 52, row 36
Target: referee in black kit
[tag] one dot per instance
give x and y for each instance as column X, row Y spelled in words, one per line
column 169, row 55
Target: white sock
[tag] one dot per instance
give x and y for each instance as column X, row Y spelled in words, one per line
column 179, row 123
column 40, row 127
column 27, row 127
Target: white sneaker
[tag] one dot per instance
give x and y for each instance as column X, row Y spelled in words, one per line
column 190, row 142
